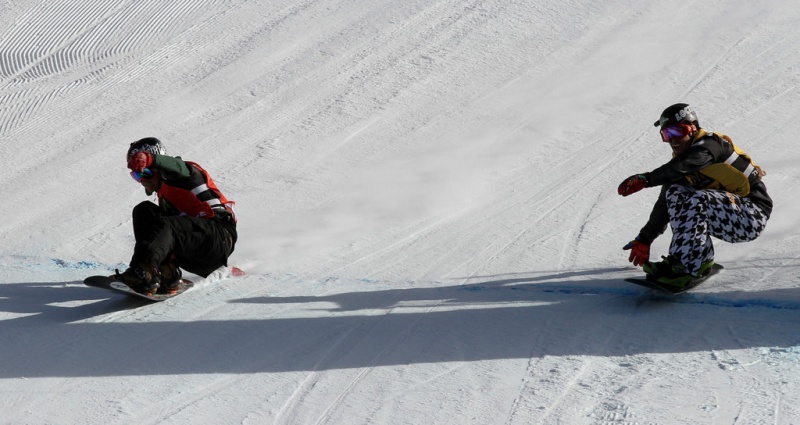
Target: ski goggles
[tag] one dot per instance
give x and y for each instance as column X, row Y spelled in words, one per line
column 145, row 174
column 675, row 131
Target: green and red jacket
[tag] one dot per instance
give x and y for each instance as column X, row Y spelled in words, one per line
column 187, row 189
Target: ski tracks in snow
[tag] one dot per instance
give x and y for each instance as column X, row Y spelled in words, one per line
column 324, row 378
column 558, row 389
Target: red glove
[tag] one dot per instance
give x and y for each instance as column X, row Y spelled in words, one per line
column 640, row 252
column 140, row 160
column 632, row 185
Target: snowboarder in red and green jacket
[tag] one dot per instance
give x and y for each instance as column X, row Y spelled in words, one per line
column 710, row 188
column 193, row 226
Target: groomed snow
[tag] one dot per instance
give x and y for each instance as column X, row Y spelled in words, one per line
column 428, row 217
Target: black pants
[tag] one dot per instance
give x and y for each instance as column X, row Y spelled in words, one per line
column 200, row 245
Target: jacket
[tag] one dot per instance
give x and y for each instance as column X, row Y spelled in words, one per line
column 187, row 189
column 712, row 162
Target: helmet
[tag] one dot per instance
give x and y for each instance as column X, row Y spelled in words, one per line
column 678, row 113
column 148, row 144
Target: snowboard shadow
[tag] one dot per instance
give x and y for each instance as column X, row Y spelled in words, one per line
column 58, row 302
column 496, row 318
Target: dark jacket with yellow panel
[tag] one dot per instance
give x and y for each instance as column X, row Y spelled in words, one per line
column 712, row 162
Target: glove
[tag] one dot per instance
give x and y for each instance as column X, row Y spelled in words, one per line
column 640, row 252
column 140, row 160
column 632, row 184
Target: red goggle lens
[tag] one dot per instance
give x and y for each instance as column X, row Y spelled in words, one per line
column 674, row 131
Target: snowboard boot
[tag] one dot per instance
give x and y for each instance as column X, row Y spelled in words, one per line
column 170, row 276
column 670, row 272
column 142, row 278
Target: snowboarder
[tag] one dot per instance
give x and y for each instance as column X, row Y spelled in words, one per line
column 709, row 188
column 193, row 227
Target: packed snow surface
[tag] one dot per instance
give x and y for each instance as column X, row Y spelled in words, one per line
column 428, row 216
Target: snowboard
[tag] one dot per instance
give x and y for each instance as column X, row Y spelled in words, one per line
column 649, row 282
column 110, row 283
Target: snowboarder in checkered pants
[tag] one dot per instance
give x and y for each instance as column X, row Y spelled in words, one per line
column 709, row 188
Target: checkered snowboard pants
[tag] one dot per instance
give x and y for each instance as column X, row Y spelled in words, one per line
column 696, row 215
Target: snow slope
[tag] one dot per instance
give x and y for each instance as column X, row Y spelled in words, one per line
column 428, row 213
